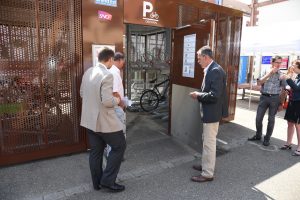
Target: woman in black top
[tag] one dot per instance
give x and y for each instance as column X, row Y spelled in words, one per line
column 292, row 114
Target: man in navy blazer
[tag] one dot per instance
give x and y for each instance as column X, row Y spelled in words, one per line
column 213, row 107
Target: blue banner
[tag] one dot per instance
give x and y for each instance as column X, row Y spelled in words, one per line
column 266, row 59
column 112, row 3
column 243, row 69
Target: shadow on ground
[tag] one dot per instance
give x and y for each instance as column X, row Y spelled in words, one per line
column 158, row 166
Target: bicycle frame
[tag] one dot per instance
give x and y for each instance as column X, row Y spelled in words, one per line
column 151, row 97
column 162, row 94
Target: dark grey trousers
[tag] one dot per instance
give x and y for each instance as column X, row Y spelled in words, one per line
column 265, row 103
column 98, row 142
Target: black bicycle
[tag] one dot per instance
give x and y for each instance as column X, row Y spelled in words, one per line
column 151, row 98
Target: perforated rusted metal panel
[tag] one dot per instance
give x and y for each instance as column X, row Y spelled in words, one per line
column 40, row 65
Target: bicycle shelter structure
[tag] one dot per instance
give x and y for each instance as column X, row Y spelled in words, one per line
column 148, row 57
column 47, row 45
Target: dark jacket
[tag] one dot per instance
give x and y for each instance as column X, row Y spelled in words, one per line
column 213, row 96
column 295, row 85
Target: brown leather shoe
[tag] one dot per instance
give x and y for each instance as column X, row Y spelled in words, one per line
column 197, row 167
column 201, row 179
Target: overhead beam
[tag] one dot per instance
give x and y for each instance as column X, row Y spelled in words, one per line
column 237, row 5
column 267, row 3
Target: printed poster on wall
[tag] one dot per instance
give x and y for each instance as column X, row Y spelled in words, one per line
column 189, row 52
column 96, row 50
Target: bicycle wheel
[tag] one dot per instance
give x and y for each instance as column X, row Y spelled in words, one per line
column 149, row 100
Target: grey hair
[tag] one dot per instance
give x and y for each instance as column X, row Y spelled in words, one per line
column 205, row 50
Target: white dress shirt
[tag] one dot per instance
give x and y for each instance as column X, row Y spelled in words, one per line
column 118, row 84
column 118, row 87
column 205, row 72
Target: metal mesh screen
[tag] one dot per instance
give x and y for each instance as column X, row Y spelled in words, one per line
column 40, row 59
column 187, row 15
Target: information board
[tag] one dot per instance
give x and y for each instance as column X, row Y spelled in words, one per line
column 189, row 52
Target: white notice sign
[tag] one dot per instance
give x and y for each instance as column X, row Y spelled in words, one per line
column 189, row 51
column 96, row 50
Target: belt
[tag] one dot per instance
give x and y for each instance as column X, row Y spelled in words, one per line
column 269, row 95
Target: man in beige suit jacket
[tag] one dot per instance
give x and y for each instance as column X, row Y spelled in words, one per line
column 100, row 118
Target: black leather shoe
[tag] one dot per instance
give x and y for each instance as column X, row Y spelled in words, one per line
column 201, row 179
column 115, row 187
column 266, row 143
column 254, row 138
column 97, row 187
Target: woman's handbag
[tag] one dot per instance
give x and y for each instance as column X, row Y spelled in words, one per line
column 283, row 96
column 286, row 102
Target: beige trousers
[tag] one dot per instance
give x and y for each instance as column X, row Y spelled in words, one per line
column 210, row 131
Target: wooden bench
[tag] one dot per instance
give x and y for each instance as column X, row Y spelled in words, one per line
column 246, row 86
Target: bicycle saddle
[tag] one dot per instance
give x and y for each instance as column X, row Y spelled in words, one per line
column 153, row 81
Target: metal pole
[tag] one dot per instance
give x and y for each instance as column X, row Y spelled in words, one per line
column 252, row 23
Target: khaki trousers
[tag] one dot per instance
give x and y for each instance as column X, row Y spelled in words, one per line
column 210, row 131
